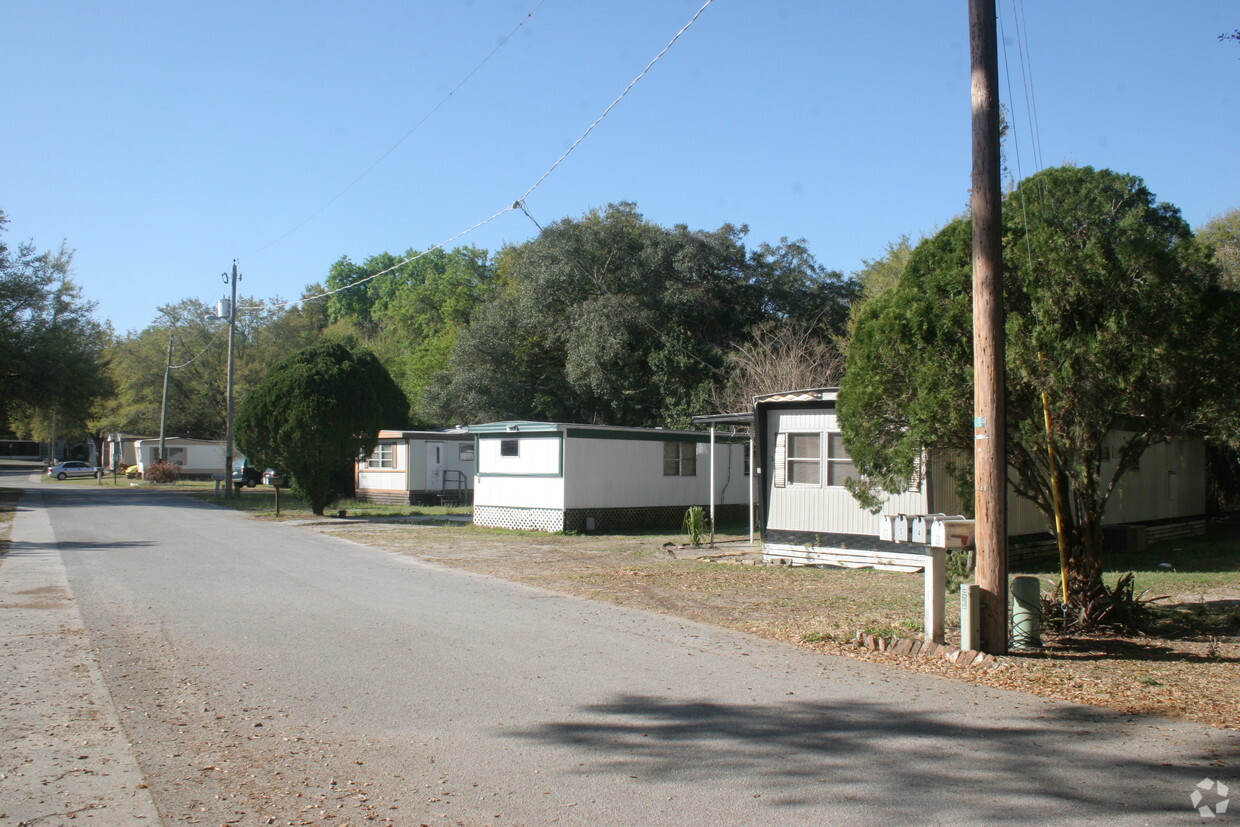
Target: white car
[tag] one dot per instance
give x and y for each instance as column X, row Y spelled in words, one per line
column 74, row 468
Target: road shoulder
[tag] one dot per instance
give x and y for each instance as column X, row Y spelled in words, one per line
column 66, row 755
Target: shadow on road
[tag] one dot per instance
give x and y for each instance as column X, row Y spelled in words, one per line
column 21, row 549
column 905, row 762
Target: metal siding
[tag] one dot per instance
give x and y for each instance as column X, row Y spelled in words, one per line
column 536, row 455
column 1146, row 494
column 823, row 508
column 519, row 492
column 611, row 473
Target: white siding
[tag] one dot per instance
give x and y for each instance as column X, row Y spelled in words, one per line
column 520, row 492
column 535, row 455
column 628, row 473
column 200, row 458
column 822, row 507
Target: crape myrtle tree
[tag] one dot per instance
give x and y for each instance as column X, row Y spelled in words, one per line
column 612, row 319
column 315, row 413
column 1117, row 329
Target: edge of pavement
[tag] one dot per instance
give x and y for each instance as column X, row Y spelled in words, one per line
column 66, row 755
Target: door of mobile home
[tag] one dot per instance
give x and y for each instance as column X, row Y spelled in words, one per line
column 434, row 466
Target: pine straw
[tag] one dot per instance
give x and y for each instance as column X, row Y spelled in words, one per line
column 822, row 609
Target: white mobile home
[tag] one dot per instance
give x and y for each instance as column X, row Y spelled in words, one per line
column 196, row 457
column 121, row 450
column 547, row 476
column 809, row 516
column 429, row 467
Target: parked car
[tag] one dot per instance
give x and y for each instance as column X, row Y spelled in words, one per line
column 74, row 468
column 244, row 474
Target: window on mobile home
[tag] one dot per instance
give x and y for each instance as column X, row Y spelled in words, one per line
column 679, row 459
column 839, row 464
column 382, row 457
column 804, row 459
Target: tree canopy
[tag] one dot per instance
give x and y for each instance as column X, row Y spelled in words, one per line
column 315, row 413
column 612, row 319
column 1114, row 316
column 50, row 343
column 1222, row 233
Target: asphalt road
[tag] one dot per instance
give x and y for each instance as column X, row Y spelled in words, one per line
column 167, row 661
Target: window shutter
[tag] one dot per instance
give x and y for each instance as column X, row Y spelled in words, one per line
column 781, row 454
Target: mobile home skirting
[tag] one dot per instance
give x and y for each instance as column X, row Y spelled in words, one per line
column 810, row 548
column 605, row 519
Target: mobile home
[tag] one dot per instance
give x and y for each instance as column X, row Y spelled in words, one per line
column 549, row 476
column 810, row 517
column 196, row 457
column 428, row 467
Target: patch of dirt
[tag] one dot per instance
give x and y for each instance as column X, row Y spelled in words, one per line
column 1184, row 677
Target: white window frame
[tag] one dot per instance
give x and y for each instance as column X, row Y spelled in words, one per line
column 383, row 457
column 837, row 458
column 804, row 459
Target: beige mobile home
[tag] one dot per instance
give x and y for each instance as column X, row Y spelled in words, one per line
column 547, row 476
column 810, row 517
column 432, row 467
column 196, row 457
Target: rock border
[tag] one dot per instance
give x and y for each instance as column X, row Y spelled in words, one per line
column 917, row 648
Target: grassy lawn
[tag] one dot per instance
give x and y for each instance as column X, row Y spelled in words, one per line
column 260, row 501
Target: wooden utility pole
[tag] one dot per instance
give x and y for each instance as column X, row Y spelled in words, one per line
column 163, row 406
column 989, row 374
column 228, row 413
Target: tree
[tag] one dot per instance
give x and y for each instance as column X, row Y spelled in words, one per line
column 778, row 357
column 1222, row 233
column 266, row 333
column 611, row 319
column 315, row 413
column 420, row 311
column 1114, row 318
column 50, row 343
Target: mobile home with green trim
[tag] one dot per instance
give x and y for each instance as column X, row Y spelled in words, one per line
column 551, row 476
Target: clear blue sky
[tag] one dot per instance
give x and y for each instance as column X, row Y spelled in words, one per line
column 161, row 141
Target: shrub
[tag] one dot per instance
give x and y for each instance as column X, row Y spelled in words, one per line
column 163, row 471
column 696, row 524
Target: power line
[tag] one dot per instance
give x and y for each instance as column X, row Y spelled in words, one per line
column 503, row 42
column 519, row 204
column 612, row 105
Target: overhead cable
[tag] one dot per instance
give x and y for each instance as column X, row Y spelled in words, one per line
column 519, row 204
column 502, row 42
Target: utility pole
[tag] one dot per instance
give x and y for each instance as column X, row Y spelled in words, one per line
column 989, row 356
column 228, row 433
column 163, row 408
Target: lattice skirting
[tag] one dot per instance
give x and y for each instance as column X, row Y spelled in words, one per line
column 595, row 519
column 519, row 519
